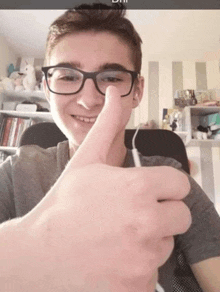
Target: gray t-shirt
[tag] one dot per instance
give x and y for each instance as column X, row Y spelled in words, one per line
column 27, row 176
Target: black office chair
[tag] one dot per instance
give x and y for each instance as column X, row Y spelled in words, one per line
column 148, row 142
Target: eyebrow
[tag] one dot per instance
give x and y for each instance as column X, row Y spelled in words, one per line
column 106, row 66
column 114, row 66
column 69, row 64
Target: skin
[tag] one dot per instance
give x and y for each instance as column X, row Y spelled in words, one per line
column 94, row 50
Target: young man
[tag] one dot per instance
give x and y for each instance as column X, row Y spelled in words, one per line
column 87, row 220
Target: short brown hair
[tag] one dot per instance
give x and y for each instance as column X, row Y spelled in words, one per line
column 96, row 17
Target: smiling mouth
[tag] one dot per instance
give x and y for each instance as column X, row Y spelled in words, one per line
column 85, row 119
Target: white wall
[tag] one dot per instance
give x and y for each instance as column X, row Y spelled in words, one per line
column 202, row 159
column 7, row 56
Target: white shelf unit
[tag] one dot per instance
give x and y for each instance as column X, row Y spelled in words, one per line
column 18, row 97
column 11, row 95
column 191, row 116
column 38, row 116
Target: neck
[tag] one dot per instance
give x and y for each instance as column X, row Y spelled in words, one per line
column 116, row 154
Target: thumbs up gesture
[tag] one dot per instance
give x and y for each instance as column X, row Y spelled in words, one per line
column 102, row 228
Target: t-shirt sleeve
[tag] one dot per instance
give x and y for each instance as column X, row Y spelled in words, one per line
column 202, row 240
column 7, row 209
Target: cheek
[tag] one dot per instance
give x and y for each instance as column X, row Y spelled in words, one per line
column 57, row 108
column 56, row 103
column 127, row 110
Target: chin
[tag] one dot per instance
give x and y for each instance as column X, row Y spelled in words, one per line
column 76, row 140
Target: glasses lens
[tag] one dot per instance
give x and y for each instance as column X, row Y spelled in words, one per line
column 120, row 79
column 64, row 80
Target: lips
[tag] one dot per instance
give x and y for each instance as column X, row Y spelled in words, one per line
column 86, row 119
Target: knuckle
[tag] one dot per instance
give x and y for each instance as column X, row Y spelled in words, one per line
column 179, row 179
column 185, row 184
column 186, row 217
column 166, row 250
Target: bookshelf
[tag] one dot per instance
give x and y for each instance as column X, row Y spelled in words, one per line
column 15, row 122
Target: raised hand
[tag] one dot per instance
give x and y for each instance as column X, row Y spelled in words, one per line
column 104, row 228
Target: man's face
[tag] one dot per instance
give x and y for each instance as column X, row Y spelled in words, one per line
column 75, row 114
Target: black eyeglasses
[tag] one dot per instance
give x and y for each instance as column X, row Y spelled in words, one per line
column 66, row 81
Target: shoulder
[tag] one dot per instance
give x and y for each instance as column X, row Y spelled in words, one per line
column 159, row 161
column 34, row 156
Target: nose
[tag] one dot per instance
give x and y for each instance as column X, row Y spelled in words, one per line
column 89, row 97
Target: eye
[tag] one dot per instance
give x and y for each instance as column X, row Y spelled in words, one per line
column 111, row 79
column 65, row 75
column 70, row 78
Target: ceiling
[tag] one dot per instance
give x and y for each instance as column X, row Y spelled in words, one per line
column 172, row 33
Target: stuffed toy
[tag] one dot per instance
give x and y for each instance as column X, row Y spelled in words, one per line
column 18, row 80
column 29, row 81
column 202, row 133
column 7, row 84
column 19, row 83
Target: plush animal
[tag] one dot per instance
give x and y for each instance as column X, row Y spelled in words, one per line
column 202, row 133
column 18, row 80
column 29, row 81
column 7, row 84
column 19, row 83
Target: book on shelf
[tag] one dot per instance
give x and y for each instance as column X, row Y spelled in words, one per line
column 12, row 128
column 6, row 132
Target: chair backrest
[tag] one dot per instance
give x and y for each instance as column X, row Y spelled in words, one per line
column 148, row 142
column 42, row 134
column 152, row 142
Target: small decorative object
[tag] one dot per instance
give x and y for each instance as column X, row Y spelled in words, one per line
column 165, row 123
column 213, row 121
column 202, row 133
column 207, row 97
column 184, row 98
column 193, row 98
column 27, row 105
column 29, row 81
column 175, row 120
column 172, row 119
column 11, row 69
column 149, row 125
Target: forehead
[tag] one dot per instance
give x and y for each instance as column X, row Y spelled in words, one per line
column 90, row 50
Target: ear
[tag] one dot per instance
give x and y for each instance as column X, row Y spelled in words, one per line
column 138, row 91
column 46, row 90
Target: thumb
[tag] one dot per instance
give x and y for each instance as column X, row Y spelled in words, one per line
column 96, row 145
